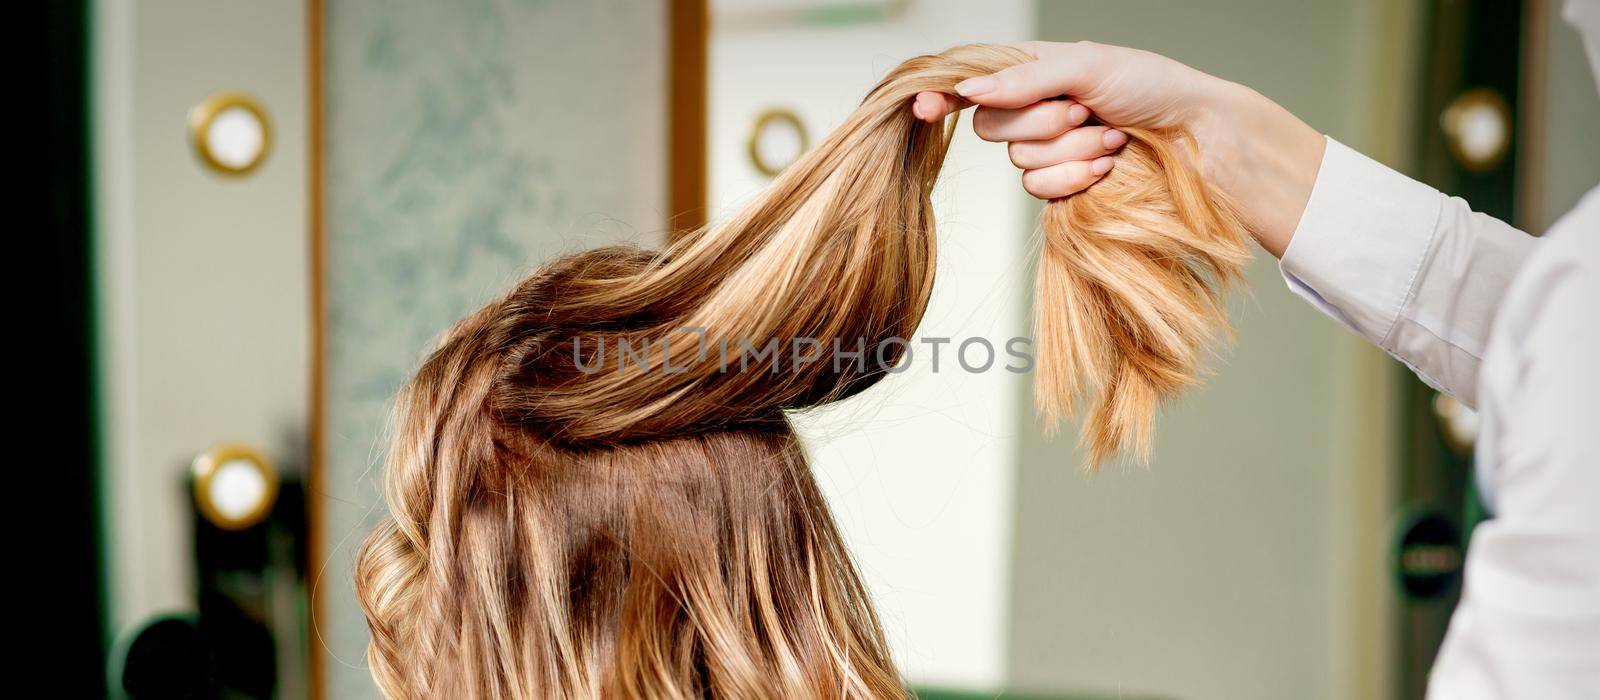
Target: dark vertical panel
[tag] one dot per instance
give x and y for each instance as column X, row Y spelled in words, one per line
column 70, row 592
column 1470, row 44
column 1474, row 43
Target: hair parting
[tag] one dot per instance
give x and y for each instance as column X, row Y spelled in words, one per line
column 564, row 524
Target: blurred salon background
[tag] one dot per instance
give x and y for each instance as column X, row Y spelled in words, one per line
column 266, row 210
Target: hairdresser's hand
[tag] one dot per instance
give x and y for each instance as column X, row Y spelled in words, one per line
column 1250, row 147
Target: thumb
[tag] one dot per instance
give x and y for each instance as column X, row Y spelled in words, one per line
column 1025, row 83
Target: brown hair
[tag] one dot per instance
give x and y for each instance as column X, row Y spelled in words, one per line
column 571, row 521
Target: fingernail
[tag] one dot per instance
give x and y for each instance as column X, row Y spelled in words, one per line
column 972, row 87
column 1077, row 113
column 1100, row 166
column 1114, row 139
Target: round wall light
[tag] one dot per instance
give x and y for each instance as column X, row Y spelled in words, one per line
column 777, row 140
column 1477, row 129
column 230, row 133
column 235, row 486
column 1458, row 424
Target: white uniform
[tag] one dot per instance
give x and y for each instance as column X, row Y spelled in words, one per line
column 1509, row 324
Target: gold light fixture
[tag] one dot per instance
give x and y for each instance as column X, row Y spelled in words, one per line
column 1458, row 424
column 777, row 140
column 235, row 486
column 1477, row 129
column 230, row 133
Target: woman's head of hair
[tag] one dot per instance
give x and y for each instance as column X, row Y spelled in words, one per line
column 521, row 561
column 593, row 486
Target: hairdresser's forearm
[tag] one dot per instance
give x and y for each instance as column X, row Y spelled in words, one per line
column 1264, row 157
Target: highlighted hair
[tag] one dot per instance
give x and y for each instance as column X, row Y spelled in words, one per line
column 564, row 524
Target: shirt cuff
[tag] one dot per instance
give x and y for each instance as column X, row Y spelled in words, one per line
column 1361, row 241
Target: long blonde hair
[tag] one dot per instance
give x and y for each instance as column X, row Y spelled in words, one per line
column 593, row 487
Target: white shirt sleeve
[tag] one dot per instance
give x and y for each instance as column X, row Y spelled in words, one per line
column 1417, row 273
column 1528, row 624
column 1424, row 277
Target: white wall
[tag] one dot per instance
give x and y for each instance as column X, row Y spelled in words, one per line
column 919, row 469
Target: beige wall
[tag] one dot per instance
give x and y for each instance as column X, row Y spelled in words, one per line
column 1570, row 164
column 201, row 279
column 1246, row 561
